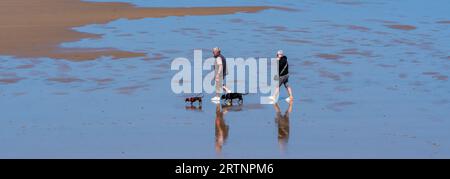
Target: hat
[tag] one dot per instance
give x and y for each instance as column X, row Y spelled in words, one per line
column 280, row 52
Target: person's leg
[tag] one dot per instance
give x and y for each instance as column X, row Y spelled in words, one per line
column 224, row 86
column 218, row 90
column 277, row 89
column 289, row 89
column 220, row 86
column 276, row 92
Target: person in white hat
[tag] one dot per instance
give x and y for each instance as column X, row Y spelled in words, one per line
column 283, row 74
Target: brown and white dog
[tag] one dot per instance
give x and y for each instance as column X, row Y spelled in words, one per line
column 192, row 100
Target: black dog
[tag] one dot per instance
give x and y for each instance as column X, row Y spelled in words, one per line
column 230, row 96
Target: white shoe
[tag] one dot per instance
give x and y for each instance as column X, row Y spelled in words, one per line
column 215, row 99
column 271, row 102
column 272, row 98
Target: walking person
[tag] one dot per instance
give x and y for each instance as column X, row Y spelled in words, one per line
column 220, row 68
column 283, row 75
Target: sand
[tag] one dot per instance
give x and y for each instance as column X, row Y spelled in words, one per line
column 30, row 29
column 443, row 22
column 402, row 27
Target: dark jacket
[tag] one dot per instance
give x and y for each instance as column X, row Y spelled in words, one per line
column 281, row 64
column 224, row 65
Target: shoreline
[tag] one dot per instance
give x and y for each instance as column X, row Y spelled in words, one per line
column 33, row 29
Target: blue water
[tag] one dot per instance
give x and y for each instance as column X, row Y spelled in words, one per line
column 385, row 96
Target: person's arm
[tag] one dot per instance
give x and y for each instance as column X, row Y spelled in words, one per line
column 287, row 64
column 219, row 71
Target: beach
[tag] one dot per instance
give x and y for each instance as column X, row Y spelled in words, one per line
column 92, row 79
column 36, row 28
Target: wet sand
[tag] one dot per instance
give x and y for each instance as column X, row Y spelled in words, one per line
column 329, row 56
column 9, row 80
column 402, row 27
column 443, row 22
column 363, row 90
column 36, row 28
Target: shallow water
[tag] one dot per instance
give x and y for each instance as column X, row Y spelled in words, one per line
column 370, row 80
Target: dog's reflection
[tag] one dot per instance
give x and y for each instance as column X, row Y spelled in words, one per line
column 231, row 108
column 282, row 122
column 194, row 108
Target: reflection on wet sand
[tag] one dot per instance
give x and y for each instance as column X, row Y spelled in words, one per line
column 233, row 108
column 283, row 126
column 194, row 108
column 221, row 129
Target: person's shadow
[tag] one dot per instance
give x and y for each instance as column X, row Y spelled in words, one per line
column 282, row 121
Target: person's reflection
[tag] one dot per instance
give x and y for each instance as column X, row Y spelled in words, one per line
column 283, row 126
column 221, row 129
